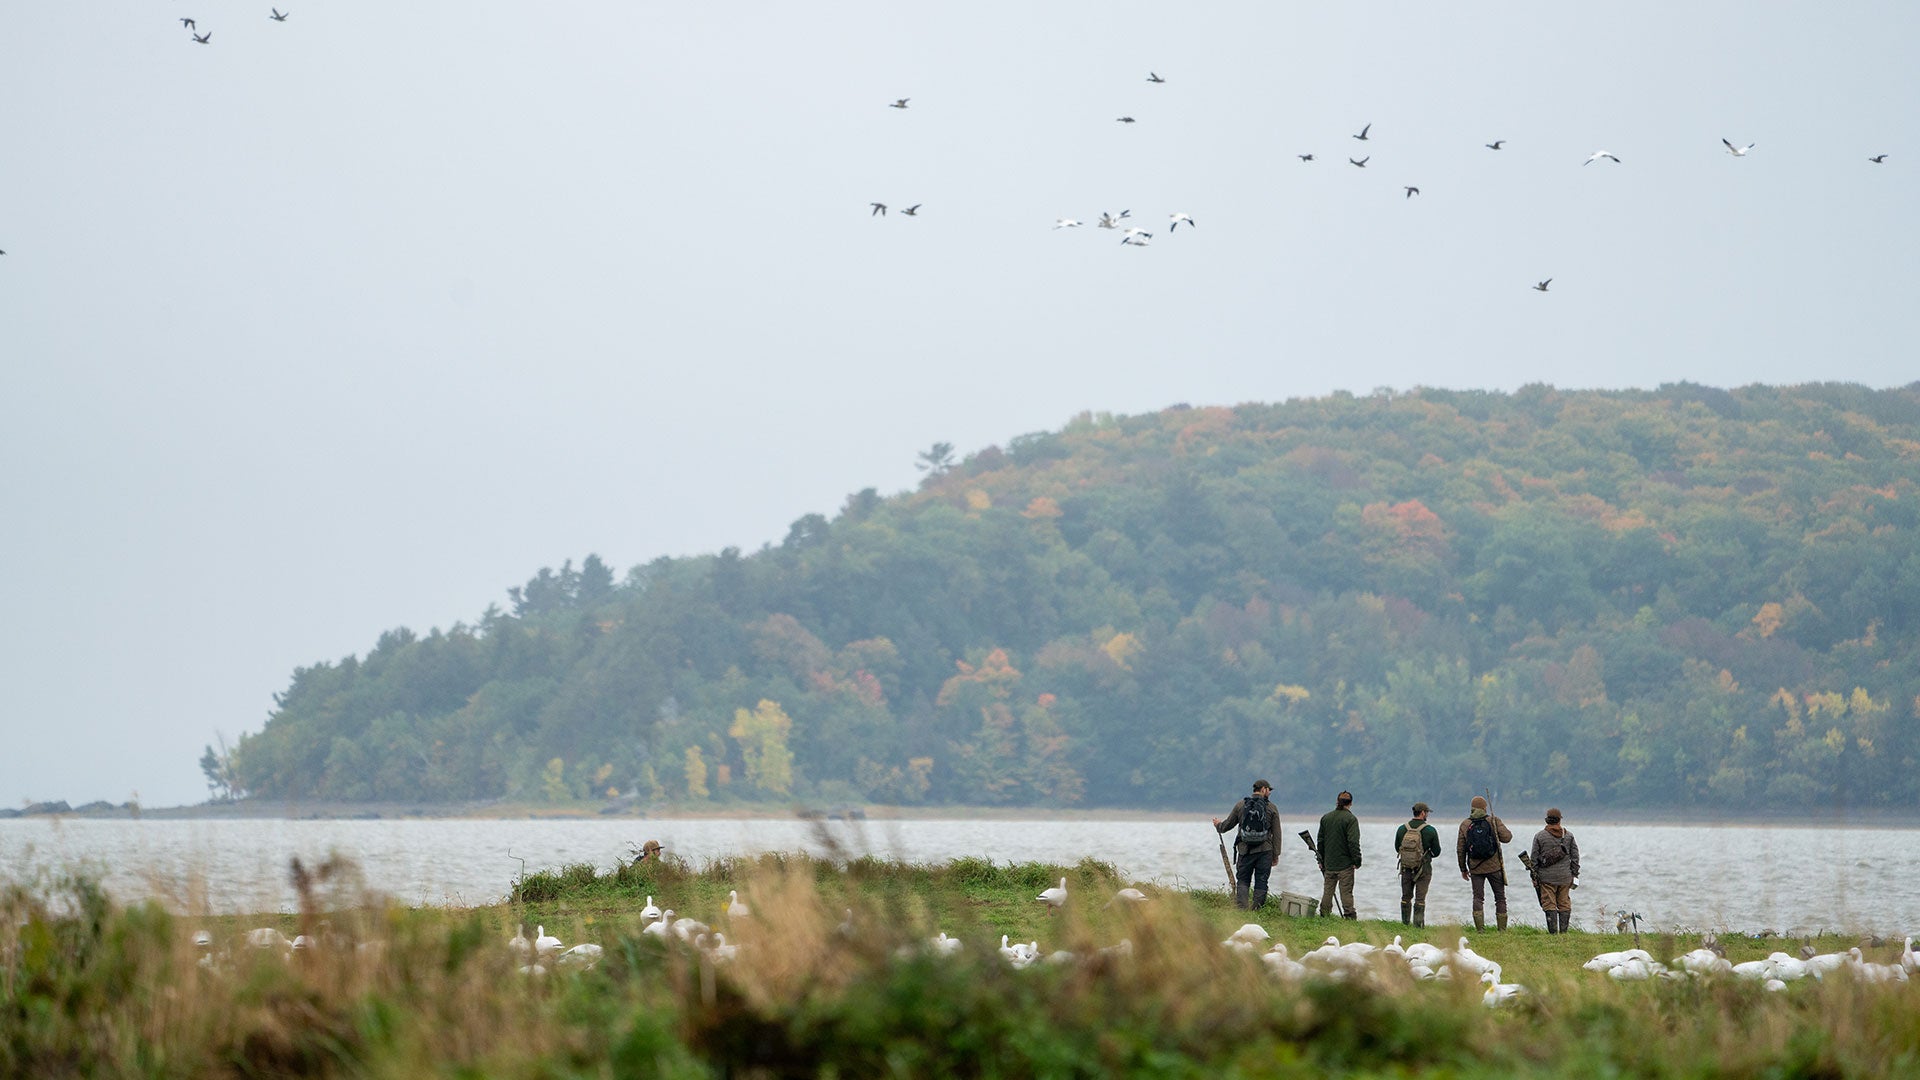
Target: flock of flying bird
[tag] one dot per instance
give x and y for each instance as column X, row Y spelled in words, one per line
column 1135, row 236
column 193, row 28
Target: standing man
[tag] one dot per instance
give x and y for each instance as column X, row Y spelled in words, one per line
column 1478, row 849
column 1556, row 870
column 1338, row 849
column 1417, row 843
column 1253, row 849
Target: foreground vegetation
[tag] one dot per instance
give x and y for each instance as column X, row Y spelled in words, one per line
column 90, row 988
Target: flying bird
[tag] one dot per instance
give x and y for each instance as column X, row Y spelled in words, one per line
column 1108, row 221
column 1412, row 191
column 1151, row 77
column 1178, row 218
column 1133, row 232
column 1304, row 157
column 911, row 211
column 1123, row 119
column 279, row 16
column 878, row 208
column 1066, row 223
column 1362, row 163
column 1736, row 151
column 189, row 24
column 1136, row 241
column 1363, row 132
column 1598, row 154
column 1878, row 159
column 204, row 38
column 1496, row 144
column 901, row 104
column 1542, row 287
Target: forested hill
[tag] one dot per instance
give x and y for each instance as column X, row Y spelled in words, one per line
column 1681, row 597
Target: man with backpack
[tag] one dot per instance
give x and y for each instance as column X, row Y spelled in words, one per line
column 1253, row 849
column 1478, row 848
column 1338, row 850
column 1418, row 843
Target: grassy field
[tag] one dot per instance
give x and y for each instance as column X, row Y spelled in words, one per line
column 89, row 988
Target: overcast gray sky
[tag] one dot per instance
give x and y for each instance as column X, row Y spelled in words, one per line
column 353, row 321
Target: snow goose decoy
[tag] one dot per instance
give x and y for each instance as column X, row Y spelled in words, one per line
column 650, row 912
column 1055, row 896
column 1597, row 155
column 580, row 957
column 1736, row 151
column 545, row 944
column 660, row 927
column 736, row 907
column 1250, row 933
column 943, row 945
column 1128, row 896
column 1499, row 992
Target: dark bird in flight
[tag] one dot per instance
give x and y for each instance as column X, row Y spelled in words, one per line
column 188, row 23
column 1542, row 287
column 911, row 211
column 1495, row 144
column 1363, row 133
column 901, row 104
column 1151, row 77
column 878, row 208
column 1304, row 157
column 1362, row 163
column 1412, row 191
column 1878, row 159
column 1123, row 119
column 204, row 38
column 279, row 16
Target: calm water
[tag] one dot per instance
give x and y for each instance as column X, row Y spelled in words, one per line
column 1726, row 876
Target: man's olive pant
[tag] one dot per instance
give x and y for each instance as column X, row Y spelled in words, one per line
column 1343, row 881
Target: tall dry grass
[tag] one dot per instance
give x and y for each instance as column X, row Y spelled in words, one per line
column 91, row 988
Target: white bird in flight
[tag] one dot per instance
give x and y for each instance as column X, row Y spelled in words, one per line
column 1736, row 151
column 1178, row 218
column 1108, row 221
column 1137, row 241
column 1598, row 154
column 1066, row 223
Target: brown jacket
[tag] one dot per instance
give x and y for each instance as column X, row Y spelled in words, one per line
column 1484, row 866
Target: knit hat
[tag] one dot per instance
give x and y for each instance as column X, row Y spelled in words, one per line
column 1479, row 803
column 1553, row 816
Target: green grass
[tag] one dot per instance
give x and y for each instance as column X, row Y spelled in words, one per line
column 91, row 988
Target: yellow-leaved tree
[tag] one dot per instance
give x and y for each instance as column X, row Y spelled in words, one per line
column 762, row 735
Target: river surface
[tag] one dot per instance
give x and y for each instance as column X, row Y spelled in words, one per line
column 1733, row 877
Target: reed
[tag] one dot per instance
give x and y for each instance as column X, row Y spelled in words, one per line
column 833, row 977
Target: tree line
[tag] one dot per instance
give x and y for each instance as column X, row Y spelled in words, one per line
column 1663, row 598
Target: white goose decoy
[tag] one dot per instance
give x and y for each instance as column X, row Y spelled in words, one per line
column 1425, row 953
column 650, row 912
column 519, row 944
column 686, row 929
column 1775, row 985
column 1497, row 991
column 1119, row 949
column 1614, row 959
column 944, row 945
column 1283, row 966
column 544, row 943
column 1907, row 959
column 1753, row 969
column 1787, row 967
column 1179, row 218
column 1703, row 962
column 716, row 946
column 1252, row 933
column 203, row 940
column 580, row 957
column 1465, row 958
column 1597, row 155
column 1394, row 948
column 1054, row 897
column 660, row 927
column 1128, row 896
column 1827, row 963
column 1736, row 151
column 1066, row 223
column 737, row 908
column 1634, row 970
column 266, row 937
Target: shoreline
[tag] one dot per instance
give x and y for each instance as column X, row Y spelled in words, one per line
column 1292, row 818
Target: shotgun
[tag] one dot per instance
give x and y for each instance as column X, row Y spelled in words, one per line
column 1226, row 863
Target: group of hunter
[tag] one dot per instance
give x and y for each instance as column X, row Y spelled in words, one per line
column 1553, row 863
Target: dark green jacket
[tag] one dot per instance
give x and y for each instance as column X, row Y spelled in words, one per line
column 1339, row 841
column 1429, row 838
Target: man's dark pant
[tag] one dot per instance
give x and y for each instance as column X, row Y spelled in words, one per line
column 1252, row 869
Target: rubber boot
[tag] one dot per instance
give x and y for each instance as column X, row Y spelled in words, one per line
column 1259, row 899
column 1566, row 921
column 1406, row 912
column 1420, row 915
column 1553, row 920
column 1350, row 915
column 1240, row 897
column 1479, row 919
column 1500, row 918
